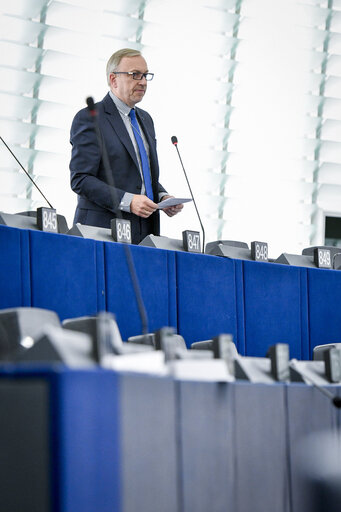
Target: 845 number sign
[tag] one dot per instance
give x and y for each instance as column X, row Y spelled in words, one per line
column 47, row 219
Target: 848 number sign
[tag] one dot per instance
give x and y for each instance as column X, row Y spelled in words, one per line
column 259, row 251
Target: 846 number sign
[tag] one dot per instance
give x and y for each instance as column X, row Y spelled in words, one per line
column 121, row 230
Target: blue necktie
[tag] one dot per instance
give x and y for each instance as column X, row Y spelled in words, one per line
column 143, row 155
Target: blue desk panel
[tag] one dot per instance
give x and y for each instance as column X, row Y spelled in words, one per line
column 15, row 283
column 324, row 299
column 70, row 446
column 200, row 295
column 274, row 295
column 85, row 438
column 206, row 297
column 66, row 274
column 155, row 269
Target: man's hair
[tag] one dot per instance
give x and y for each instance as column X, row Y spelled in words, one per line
column 116, row 58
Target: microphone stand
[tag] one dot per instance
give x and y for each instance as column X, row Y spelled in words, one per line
column 175, row 143
column 111, row 182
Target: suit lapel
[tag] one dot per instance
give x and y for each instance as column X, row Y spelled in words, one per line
column 117, row 124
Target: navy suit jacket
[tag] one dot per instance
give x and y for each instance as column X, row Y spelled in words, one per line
column 97, row 204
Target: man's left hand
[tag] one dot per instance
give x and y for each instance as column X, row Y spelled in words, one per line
column 172, row 210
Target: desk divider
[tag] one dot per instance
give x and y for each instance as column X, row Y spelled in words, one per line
column 172, row 289
column 305, row 333
column 240, row 305
column 100, row 274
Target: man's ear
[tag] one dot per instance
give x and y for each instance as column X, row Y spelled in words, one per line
column 113, row 81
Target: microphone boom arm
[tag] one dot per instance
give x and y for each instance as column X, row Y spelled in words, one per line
column 27, row 174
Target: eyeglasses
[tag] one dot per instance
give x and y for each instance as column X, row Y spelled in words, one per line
column 136, row 75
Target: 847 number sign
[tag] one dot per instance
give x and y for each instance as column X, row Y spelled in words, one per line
column 191, row 241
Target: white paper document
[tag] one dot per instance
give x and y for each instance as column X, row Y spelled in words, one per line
column 172, row 201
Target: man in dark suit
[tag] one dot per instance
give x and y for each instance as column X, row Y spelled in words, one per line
column 131, row 184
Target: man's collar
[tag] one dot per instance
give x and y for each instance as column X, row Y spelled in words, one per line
column 121, row 106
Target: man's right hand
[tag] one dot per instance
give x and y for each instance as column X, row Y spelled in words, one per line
column 142, row 206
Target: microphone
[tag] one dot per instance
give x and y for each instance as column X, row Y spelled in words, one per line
column 175, row 143
column 27, row 174
column 110, row 179
column 91, row 106
column 337, row 401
